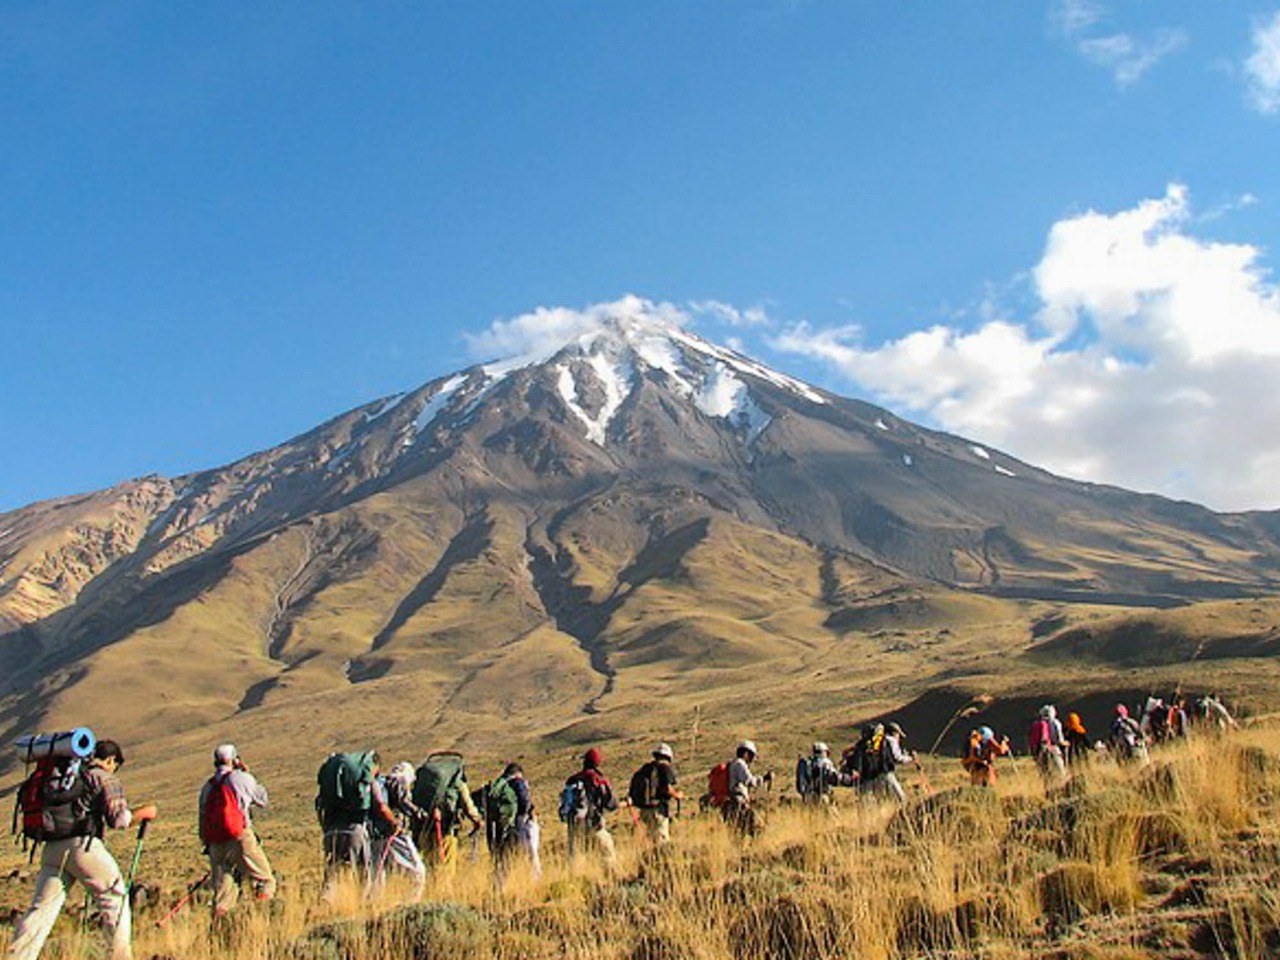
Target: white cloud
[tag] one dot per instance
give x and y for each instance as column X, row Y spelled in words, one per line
column 755, row 316
column 1127, row 57
column 1262, row 68
column 540, row 333
column 1151, row 362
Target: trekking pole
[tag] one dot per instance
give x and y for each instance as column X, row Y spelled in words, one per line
column 191, row 892
column 137, row 856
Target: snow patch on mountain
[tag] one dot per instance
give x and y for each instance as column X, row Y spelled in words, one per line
column 1005, row 471
column 439, row 400
column 980, row 452
column 387, row 406
column 725, row 396
column 614, row 376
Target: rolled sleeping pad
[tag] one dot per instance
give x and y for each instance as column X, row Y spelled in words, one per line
column 73, row 743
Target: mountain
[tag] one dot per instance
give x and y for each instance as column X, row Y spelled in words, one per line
column 634, row 513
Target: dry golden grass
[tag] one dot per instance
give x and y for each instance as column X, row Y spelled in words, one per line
column 1177, row 859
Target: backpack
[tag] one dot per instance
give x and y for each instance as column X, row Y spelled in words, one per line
column 718, row 784
column 1040, row 737
column 222, row 819
column 643, row 791
column 438, row 786
column 500, row 808
column 575, row 802
column 346, row 788
column 869, row 758
column 811, row 778
column 53, row 802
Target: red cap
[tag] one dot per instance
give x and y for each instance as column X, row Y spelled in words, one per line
column 592, row 758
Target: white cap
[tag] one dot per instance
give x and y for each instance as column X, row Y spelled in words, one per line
column 225, row 755
column 664, row 750
column 750, row 746
column 820, row 747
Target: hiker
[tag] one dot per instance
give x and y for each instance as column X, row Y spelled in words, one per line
column 737, row 810
column 1077, row 740
column 1215, row 712
column 1046, row 742
column 345, row 805
column 817, row 776
column 1127, row 738
column 1177, row 726
column 440, row 791
column 75, row 820
column 585, row 800
column 980, row 759
column 508, row 813
column 870, row 763
column 394, row 850
column 226, row 830
column 1152, row 723
column 651, row 792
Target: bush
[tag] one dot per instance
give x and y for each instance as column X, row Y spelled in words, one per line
column 1076, row 890
column 786, row 928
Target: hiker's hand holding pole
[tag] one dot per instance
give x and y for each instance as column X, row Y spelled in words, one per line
column 145, row 815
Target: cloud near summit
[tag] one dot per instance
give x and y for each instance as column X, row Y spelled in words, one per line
column 1151, row 360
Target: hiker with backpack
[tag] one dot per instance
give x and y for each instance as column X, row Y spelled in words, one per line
column 737, row 809
column 226, row 830
column 1077, row 740
column 394, row 850
column 817, row 776
column 584, row 802
column 653, row 790
column 1127, row 739
column 870, row 763
column 510, row 824
column 67, row 804
column 1046, row 742
column 441, row 792
column 980, row 757
column 345, row 806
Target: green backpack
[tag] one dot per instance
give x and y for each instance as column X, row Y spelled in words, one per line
column 500, row 807
column 346, row 788
column 439, row 785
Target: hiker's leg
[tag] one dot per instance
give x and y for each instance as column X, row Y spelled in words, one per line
column 46, row 903
column 253, row 861
column 608, row 851
column 94, row 867
column 222, row 879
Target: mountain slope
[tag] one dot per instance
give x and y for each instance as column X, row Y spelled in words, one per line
column 636, row 510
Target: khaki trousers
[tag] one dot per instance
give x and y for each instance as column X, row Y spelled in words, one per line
column 656, row 825
column 246, row 855
column 62, row 862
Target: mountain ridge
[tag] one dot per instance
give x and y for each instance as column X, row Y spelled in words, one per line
column 600, row 498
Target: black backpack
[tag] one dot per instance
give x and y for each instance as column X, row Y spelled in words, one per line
column 643, row 791
column 54, row 802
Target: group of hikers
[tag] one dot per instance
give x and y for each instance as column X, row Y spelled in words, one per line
column 408, row 820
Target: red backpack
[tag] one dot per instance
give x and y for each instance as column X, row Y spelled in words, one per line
column 1041, row 736
column 718, row 784
column 222, row 819
column 53, row 802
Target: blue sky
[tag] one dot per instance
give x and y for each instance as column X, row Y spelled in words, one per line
column 220, row 225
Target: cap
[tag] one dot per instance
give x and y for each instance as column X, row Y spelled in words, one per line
column 986, row 733
column 749, row 746
column 593, row 758
column 225, row 755
column 894, row 728
column 820, row 747
column 664, row 750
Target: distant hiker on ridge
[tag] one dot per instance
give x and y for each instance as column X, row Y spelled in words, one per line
column 226, row 830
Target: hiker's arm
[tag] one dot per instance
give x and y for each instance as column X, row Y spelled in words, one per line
column 468, row 806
